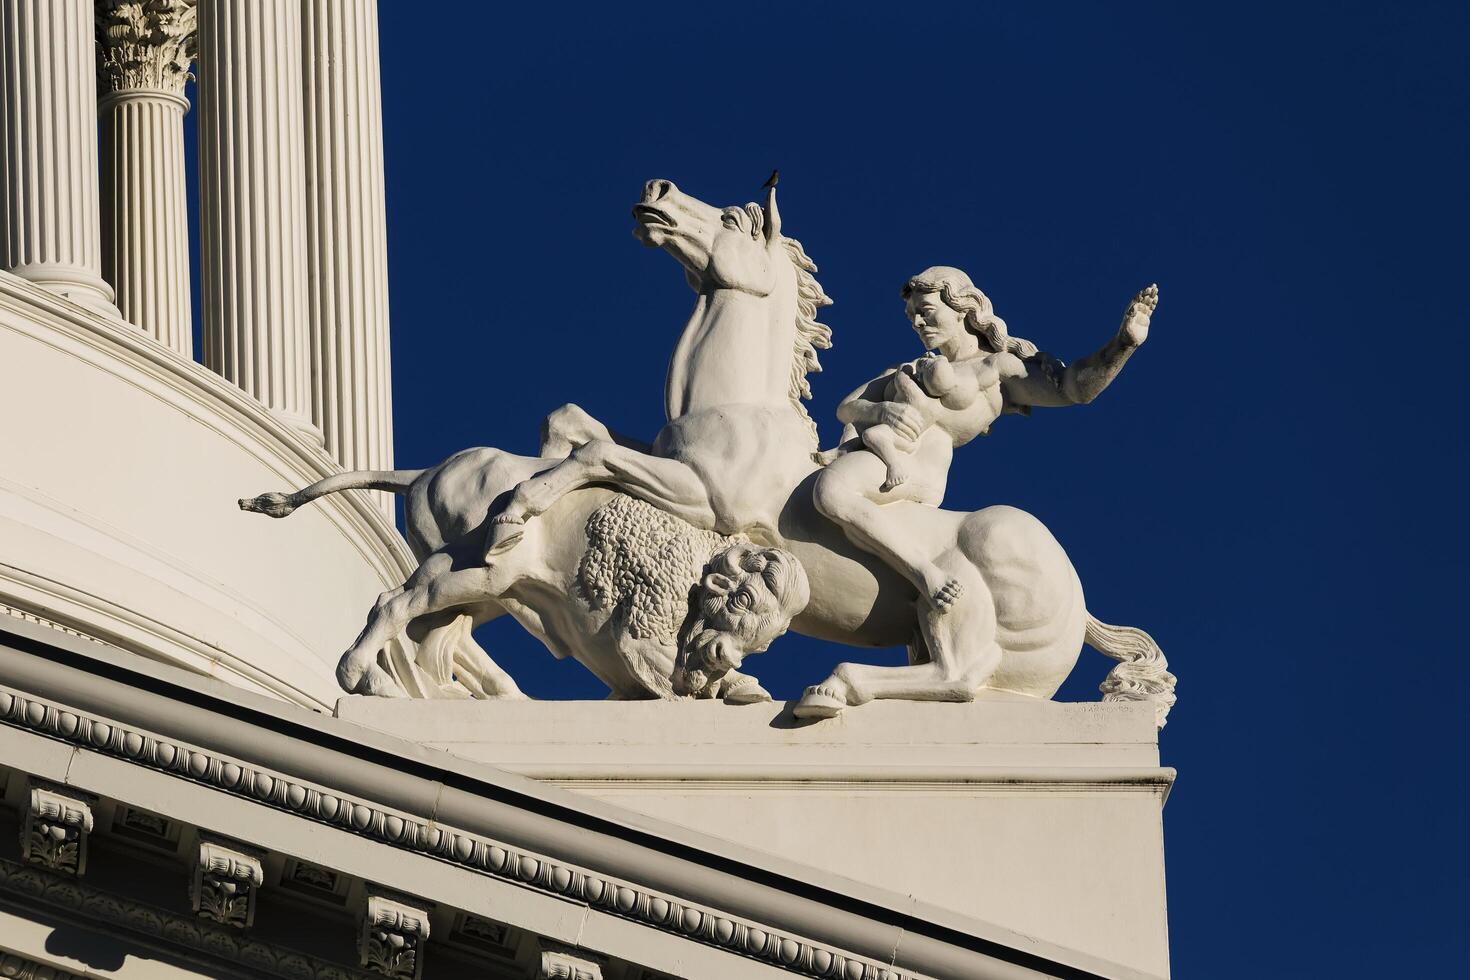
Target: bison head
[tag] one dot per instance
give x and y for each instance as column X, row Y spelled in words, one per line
column 746, row 598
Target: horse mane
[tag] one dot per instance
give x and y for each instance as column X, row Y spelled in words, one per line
column 811, row 336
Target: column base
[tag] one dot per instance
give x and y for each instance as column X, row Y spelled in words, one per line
column 304, row 427
column 69, row 282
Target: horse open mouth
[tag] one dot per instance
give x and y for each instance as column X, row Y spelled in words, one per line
column 648, row 216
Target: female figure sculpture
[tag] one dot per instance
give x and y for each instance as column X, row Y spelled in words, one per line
column 908, row 421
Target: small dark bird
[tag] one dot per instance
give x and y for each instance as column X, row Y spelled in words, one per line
column 771, row 180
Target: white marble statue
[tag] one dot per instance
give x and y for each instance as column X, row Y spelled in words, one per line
column 631, row 569
column 983, row 600
column 912, row 417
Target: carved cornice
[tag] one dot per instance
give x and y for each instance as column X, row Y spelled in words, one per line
column 53, row 833
column 145, row 44
column 392, row 937
column 31, row 887
column 227, row 877
column 478, row 854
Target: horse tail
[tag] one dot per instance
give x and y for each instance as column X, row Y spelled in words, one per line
column 282, row 504
column 1142, row 673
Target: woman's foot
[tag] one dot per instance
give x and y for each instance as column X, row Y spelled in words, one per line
column 942, row 591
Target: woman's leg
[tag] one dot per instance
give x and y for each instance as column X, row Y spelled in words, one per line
column 845, row 493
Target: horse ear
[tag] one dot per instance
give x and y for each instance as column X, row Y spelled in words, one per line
column 773, row 217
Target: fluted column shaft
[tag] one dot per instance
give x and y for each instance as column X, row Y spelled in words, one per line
column 252, row 202
column 347, row 232
column 144, row 54
column 50, row 231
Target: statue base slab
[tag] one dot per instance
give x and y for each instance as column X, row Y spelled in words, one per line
column 1041, row 817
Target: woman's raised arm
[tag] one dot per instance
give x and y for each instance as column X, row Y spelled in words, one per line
column 1049, row 383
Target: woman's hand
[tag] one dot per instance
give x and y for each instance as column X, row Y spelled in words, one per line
column 902, row 419
column 1134, row 330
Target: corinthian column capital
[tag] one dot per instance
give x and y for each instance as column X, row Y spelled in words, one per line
column 145, row 44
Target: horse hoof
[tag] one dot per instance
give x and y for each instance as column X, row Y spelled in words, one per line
column 748, row 693
column 819, row 702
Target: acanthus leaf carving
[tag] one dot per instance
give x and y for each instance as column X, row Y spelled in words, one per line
column 145, row 44
column 227, row 877
column 54, row 832
column 392, row 937
column 560, row 965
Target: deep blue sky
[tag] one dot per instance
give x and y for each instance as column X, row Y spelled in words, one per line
column 1271, row 487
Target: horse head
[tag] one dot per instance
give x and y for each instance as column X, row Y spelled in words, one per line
column 754, row 333
column 720, row 248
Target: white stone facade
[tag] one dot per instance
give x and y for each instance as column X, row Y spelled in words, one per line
column 117, row 494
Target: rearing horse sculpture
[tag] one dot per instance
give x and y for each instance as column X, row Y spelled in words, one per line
column 737, row 457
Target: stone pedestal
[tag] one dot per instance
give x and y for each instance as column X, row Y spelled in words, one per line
column 50, row 230
column 1043, row 818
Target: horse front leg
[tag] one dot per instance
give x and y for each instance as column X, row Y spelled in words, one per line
column 668, row 484
column 962, row 648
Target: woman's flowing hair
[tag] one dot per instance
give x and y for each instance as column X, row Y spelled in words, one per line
column 962, row 296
